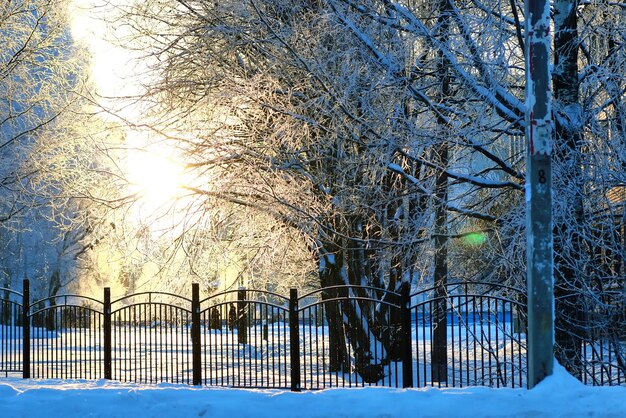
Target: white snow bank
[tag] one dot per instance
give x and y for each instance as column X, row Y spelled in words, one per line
column 558, row 396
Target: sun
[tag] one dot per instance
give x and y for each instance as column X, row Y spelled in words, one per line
column 155, row 178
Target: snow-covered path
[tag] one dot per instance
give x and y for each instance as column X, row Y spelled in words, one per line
column 558, row 396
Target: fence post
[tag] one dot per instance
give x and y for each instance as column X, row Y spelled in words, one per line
column 405, row 318
column 107, row 334
column 294, row 340
column 242, row 317
column 25, row 329
column 196, row 348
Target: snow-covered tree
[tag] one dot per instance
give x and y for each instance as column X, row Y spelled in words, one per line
column 48, row 149
column 383, row 130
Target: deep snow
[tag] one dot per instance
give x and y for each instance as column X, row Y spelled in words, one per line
column 560, row 395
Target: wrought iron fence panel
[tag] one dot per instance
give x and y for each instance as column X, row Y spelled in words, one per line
column 66, row 338
column 603, row 339
column 245, row 340
column 335, row 354
column 466, row 338
column 151, row 338
column 458, row 334
column 11, row 320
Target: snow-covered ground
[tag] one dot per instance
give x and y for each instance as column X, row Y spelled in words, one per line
column 558, row 396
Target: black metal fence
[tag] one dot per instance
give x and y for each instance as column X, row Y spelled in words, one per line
column 11, row 330
column 342, row 336
column 600, row 333
column 470, row 335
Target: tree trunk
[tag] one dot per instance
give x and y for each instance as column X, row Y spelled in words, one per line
column 329, row 273
column 53, row 289
column 350, row 322
column 569, row 186
column 5, row 310
column 390, row 317
column 439, row 355
column 370, row 357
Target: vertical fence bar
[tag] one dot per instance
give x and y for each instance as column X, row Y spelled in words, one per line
column 294, row 339
column 439, row 340
column 106, row 325
column 196, row 347
column 26, row 330
column 242, row 317
column 405, row 318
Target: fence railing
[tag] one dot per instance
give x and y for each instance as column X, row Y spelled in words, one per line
column 11, row 330
column 342, row 336
column 598, row 331
column 470, row 335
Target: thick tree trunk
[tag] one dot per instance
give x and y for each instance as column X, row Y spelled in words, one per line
column 329, row 273
column 568, row 186
column 53, row 289
column 370, row 357
column 390, row 318
column 351, row 322
column 439, row 355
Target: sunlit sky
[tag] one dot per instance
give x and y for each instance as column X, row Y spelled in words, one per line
column 152, row 170
column 111, row 65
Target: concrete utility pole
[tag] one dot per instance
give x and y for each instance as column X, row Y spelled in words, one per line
column 539, row 251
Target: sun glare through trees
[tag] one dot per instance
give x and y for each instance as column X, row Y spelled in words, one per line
column 157, row 179
column 151, row 168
